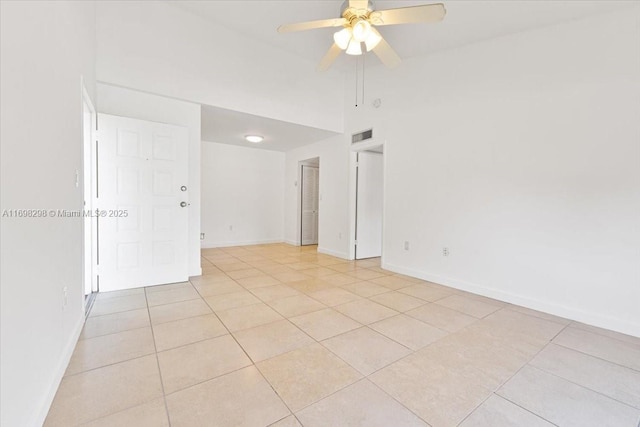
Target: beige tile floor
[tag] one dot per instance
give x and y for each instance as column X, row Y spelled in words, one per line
column 283, row 336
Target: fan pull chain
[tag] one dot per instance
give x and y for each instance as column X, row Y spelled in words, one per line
column 357, row 59
column 363, row 58
column 358, row 75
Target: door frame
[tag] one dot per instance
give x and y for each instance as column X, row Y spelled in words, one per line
column 353, row 196
column 89, row 226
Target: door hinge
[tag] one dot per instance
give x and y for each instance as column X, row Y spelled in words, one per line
column 356, row 243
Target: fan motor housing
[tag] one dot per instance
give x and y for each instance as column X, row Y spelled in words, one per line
column 350, row 13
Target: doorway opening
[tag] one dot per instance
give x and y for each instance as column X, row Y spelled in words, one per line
column 369, row 202
column 309, row 201
column 89, row 223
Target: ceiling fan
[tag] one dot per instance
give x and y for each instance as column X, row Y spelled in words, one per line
column 359, row 19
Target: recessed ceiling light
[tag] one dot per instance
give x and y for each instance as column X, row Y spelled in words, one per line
column 254, row 138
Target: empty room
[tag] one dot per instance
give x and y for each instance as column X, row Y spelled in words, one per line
column 320, row 213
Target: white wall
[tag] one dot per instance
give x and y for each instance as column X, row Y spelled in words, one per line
column 139, row 105
column 522, row 156
column 155, row 47
column 242, row 195
column 45, row 49
column 333, row 221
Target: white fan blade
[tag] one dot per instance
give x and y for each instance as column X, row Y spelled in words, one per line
column 329, row 58
column 312, row 25
column 359, row 4
column 385, row 53
column 409, row 15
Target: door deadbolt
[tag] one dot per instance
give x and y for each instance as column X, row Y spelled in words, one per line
column 183, row 188
column 183, row 204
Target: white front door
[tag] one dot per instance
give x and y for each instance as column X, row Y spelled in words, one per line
column 143, row 203
column 369, row 203
column 310, row 192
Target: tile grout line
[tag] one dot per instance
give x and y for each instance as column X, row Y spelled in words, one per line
column 396, row 400
column 114, row 333
column 404, row 345
column 248, row 357
column 208, row 379
column 585, row 387
column 162, row 384
column 190, row 343
column 516, row 373
column 124, row 361
column 151, row 306
column 513, row 403
column 164, row 395
column 316, row 342
column 114, row 312
column 364, row 377
column 108, row 365
column 595, row 357
column 367, row 377
column 574, row 323
column 234, row 257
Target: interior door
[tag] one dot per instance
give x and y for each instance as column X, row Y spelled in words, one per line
column 310, row 193
column 143, row 203
column 88, row 182
column 369, row 201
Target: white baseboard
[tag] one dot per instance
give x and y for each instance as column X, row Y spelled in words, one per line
column 292, row 242
column 333, row 253
column 572, row 313
column 41, row 414
column 209, row 245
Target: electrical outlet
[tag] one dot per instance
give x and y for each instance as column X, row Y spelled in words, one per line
column 201, row 236
column 65, row 299
column 445, row 251
column 406, row 245
column 339, row 235
column 231, row 228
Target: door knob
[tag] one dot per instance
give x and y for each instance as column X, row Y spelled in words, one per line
column 183, row 204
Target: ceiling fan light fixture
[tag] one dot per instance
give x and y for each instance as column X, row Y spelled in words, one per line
column 354, row 48
column 372, row 40
column 254, row 138
column 356, row 25
column 361, row 30
column 342, row 38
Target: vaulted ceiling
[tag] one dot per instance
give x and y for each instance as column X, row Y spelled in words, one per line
column 466, row 21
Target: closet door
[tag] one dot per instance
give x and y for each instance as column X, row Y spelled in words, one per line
column 369, row 202
column 310, row 194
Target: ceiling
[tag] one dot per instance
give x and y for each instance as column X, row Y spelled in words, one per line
column 466, row 21
column 230, row 127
